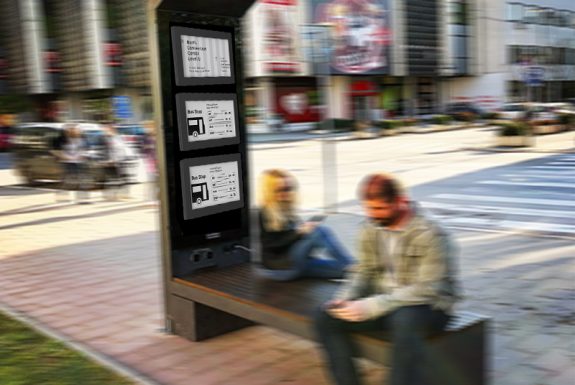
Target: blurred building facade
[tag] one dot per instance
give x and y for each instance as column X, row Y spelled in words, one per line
column 385, row 58
column 362, row 59
column 74, row 58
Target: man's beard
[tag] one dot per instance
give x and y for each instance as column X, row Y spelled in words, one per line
column 389, row 221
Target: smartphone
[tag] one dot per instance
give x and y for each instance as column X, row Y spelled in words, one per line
column 316, row 218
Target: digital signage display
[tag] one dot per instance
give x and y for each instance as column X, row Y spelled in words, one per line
column 211, row 185
column 207, row 120
column 202, row 57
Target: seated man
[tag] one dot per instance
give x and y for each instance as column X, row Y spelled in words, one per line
column 404, row 283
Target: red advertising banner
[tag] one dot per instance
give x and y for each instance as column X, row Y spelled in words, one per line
column 113, row 54
column 296, row 104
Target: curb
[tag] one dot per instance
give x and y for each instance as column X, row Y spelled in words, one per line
column 520, row 150
column 102, row 359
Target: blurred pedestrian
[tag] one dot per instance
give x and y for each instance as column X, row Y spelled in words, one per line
column 404, row 283
column 148, row 147
column 288, row 242
column 115, row 157
column 71, row 151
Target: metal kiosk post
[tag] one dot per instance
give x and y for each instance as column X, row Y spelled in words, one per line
column 195, row 48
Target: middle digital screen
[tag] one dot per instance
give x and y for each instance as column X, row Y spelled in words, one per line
column 207, row 120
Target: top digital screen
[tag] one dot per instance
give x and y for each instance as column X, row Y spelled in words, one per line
column 202, row 57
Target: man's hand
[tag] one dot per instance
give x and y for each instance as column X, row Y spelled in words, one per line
column 351, row 311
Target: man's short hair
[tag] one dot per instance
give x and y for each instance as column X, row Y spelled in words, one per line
column 380, row 186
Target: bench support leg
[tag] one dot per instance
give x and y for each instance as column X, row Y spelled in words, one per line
column 460, row 359
column 198, row 322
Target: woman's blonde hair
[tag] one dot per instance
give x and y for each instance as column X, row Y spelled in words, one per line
column 276, row 214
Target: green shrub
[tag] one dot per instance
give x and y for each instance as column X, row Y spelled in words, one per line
column 389, row 124
column 441, row 119
column 337, row 124
column 491, row 115
column 513, row 129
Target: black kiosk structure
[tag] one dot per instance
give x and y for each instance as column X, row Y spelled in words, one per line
column 201, row 147
column 210, row 287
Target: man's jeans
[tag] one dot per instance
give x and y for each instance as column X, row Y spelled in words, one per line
column 407, row 328
column 305, row 265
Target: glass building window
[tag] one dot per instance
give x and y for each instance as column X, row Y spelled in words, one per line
column 515, row 12
column 532, row 14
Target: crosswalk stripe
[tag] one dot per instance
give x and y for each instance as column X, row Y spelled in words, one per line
column 540, row 176
column 512, row 225
column 557, row 168
column 562, row 163
column 531, row 184
column 483, row 198
column 497, row 210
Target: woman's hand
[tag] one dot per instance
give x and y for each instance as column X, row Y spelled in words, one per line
column 307, row 227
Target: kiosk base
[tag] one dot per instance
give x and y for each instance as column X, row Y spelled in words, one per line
column 198, row 322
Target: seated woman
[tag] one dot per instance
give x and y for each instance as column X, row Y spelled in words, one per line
column 287, row 242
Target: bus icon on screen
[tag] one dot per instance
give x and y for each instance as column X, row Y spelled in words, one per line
column 196, row 127
column 200, row 192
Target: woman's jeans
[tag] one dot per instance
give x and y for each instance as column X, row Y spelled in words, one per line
column 304, row 265
column 407, row 328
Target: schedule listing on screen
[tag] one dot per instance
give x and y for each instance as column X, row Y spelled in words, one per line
column 214, row 184
column 207, row 120
column 210, row 119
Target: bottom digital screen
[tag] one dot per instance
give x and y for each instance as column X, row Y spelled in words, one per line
column 211, row 185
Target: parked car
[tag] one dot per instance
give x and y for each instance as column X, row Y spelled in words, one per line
column 561, row 108
column 512, row 111
column 34, row 160
column 461, row 109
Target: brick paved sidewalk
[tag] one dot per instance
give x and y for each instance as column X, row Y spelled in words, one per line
column 91, row 274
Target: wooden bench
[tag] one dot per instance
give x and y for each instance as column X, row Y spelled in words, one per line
column 214, row 302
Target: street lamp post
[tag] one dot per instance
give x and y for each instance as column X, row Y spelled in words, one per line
column 318, row 53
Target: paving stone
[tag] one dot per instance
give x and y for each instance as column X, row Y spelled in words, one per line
column 565, row 378
column 554, row 360
column 537, row 343
column 521, row 375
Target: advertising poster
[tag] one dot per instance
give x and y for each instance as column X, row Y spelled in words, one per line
column 360, row 34
column 279, row 20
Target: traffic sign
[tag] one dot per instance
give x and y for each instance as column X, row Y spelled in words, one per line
column 122, row 107
column 534, row 76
